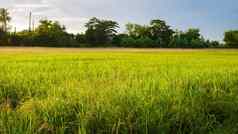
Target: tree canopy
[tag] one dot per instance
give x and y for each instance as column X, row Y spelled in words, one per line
column 100, row 31
column 104, row 33
column 4, row 19
column 231, row 38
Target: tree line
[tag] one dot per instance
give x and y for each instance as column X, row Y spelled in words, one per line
column 104, row 33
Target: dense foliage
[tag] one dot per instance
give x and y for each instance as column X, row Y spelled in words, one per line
column 103, row 33
column 4, row 19
column 100, row 31
column 231, row 38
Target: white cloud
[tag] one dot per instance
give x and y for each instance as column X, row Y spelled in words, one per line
column 29, row 1
column 31, row 6
column 78, row 19
column 57, row 10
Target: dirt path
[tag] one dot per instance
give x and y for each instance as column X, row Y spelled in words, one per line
column 49, row 49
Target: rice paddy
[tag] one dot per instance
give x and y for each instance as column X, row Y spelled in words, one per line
column 118, row 91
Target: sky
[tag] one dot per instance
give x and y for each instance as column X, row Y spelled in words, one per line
column 212, row 17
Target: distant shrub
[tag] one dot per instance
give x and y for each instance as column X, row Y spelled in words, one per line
column 128, row 42
column 3, row 38
column 144, row 42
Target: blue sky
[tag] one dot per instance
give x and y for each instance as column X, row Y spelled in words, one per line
column 213, row 17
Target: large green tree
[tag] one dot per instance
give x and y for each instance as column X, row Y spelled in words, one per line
column 161, row 32
column 51, row 32
column 4, row 19
column 100, row 31
column 158, row 31
column 188, row 39
column 47, row 33
column 50, row 27
column 231, row 38
column 137, row 31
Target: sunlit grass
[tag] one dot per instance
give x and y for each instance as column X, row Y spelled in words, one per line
column 119, row 92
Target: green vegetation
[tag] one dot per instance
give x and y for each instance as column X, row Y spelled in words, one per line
column 4, row 19
column 103, row 33
column 231, row 38
column 100, row 31
column 118, row 91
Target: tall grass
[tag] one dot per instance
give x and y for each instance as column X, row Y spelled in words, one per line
column 119, row 92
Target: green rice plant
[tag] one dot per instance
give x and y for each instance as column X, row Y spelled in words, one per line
column 128, row 92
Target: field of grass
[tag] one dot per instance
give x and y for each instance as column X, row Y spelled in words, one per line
column 118, row 91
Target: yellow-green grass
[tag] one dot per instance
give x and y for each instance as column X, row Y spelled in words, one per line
column 121, row 91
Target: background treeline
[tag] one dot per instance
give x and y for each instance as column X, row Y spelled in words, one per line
column 103, row 33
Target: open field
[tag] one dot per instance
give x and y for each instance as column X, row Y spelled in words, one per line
column 121, row 91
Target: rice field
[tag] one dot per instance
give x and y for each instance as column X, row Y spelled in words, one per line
column 118, row 91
